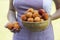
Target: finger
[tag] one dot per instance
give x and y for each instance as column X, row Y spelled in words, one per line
column 6, row 24
column 13, row 30
column 17, row 30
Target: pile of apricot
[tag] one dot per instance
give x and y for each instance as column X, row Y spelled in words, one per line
column 32, row 15
column 14, row 26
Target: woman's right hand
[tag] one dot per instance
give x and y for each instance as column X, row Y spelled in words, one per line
column 13, row 27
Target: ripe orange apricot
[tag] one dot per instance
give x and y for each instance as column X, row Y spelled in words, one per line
column 16, row 25
column 42, row 20
column 30, row 19
column 23, row 17
column 30, row 10
column 29, row 14
column 45, row 16
column 10, row 26
column 37, row 19
column 35, row 15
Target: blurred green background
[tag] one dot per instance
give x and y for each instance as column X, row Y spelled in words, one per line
column 5, row 34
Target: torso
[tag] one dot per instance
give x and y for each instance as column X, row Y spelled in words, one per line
column 21, row 6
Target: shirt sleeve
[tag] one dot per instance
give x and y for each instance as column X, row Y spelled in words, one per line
column 47, row 6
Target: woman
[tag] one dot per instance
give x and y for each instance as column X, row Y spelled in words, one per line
column 22, row 5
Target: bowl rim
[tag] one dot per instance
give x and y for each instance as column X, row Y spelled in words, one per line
column 35, row 22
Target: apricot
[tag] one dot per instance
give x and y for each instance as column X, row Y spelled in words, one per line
column 30, row 19
column 37, row 19
column 10, row 26
column 45, row 16
column 16, row 26
column 30, row 10
column 42, row 20
column 40, row 16
column 41, row 11
column 35, row 15
column 23, row 17
column 29, row 14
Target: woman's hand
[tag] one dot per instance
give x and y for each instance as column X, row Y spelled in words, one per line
column 13, row 27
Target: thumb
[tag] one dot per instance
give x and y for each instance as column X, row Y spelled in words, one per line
column 6, row 26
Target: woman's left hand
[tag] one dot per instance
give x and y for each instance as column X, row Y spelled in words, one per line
column 13, row 27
